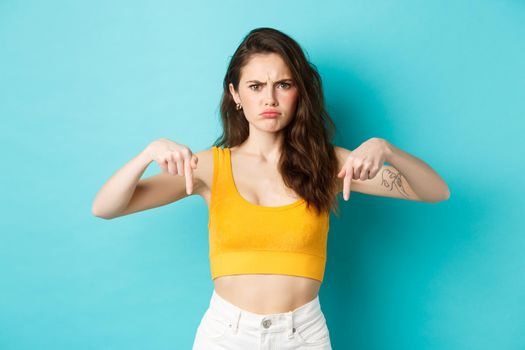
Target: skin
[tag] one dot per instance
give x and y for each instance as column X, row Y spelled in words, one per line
column 365, row 162
column 266, row 135
column 254, row 164
column 254, row 168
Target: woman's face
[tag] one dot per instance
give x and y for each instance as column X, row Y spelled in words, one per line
column 266, row 83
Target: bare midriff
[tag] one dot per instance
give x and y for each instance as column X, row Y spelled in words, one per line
column 260, row 293
column 267, row 293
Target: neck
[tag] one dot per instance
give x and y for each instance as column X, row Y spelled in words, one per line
column 265, row 145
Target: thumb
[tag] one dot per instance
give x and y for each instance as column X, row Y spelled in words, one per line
column 194, row 161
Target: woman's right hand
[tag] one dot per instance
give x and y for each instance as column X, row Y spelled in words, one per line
column 174, row 158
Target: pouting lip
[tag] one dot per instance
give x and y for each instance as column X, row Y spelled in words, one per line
column 270, row 111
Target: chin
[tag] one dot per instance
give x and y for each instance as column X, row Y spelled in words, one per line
column 268, row 126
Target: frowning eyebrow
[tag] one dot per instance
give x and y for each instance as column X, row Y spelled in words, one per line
column 259, row 82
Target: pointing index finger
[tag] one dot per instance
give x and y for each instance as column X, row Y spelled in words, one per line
column 347, row 183
column 188, row 175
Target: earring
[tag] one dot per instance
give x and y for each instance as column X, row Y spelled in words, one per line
column 238, row 106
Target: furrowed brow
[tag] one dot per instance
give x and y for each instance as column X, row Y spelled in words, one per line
column 259, row 82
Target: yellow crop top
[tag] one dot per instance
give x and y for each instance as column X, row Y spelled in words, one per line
column 245, row 238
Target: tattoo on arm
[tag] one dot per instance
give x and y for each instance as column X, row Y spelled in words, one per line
column 391, row 179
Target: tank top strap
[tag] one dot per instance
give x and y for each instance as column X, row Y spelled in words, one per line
column 245, row 238
column 222, row 186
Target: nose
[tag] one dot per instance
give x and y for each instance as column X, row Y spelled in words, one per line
column 270, row 97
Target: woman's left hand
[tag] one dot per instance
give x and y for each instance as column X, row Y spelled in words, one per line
column 364, row 162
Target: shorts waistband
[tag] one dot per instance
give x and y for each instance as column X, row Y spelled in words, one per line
column 266, row 323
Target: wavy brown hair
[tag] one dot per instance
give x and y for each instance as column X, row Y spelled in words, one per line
column 308, row 162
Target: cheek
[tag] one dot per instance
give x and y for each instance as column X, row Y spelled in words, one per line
column 290, row 99
column 248, row 102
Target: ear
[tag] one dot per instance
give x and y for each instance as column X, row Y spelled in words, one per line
column 234, row 94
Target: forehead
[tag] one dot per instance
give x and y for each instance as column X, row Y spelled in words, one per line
column 262, row 66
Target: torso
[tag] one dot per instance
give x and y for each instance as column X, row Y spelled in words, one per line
column 259, row 183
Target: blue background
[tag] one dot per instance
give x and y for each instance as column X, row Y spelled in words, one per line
column 85, row 86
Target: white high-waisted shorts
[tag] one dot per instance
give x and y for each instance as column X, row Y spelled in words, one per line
column 228, row 327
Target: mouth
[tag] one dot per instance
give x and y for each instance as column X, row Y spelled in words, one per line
column 270, row 114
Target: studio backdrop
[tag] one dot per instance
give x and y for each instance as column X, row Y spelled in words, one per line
column 86, row 85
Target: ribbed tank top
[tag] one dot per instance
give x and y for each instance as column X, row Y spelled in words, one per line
column 245, row 238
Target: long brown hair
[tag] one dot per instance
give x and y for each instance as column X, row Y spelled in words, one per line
column 308, row 162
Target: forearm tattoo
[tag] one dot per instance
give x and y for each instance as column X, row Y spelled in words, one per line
column 390, row 179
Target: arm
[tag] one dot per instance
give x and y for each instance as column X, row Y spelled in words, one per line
column 422, row 179
column 402, row 180
column 116, row 193
column 125, row 193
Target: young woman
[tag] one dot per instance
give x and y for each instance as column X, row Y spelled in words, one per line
column 270, row 182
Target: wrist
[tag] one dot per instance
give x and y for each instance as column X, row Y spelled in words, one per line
column 389, row 150
column 145, row 155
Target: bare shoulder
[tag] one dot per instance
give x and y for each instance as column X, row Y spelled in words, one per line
column 203, row 174
column 342, row 154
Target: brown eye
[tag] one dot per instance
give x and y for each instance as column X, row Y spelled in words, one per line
column 256, row 85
